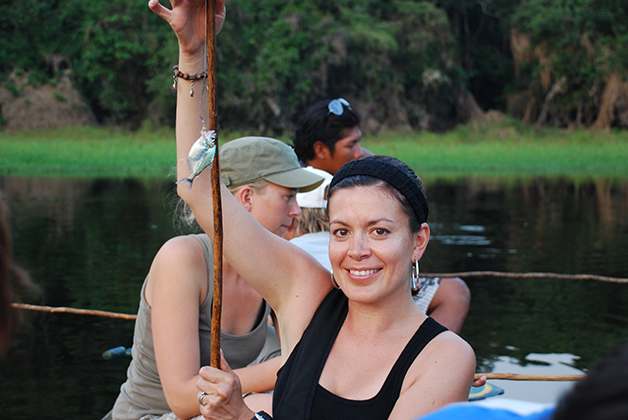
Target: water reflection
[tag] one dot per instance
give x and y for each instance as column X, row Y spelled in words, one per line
column 461, row 240
column 89, row 243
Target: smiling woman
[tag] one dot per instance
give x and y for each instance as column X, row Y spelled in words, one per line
column 345, row 356
column 389, row 229
column 370, row 329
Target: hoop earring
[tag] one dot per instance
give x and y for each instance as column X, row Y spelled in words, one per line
column 333, row 281
column 414, row 282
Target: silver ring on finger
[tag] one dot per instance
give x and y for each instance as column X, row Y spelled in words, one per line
column 201, row 395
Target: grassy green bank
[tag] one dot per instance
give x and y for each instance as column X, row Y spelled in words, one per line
column 499, row 149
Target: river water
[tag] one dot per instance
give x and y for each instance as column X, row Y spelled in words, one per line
column 89, row 243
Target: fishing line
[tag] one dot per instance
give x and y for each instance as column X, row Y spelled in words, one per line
column 204, row 85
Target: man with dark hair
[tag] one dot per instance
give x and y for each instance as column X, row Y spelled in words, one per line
column 328, row 135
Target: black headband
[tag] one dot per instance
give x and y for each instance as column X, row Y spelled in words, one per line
column 385, row 171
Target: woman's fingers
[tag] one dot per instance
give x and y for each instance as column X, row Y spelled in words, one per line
column 224, row 365
column 213, row 381
column 481, row 381
column 159, row 9
column 220, row 393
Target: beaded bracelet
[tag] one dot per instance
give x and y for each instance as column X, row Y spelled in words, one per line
column 185, row 76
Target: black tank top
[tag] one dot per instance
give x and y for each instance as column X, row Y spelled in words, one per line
column 297, row 394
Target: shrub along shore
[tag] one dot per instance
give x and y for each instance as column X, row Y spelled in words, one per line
column 498, row 149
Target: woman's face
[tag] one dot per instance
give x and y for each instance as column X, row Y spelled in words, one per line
column 371, row 247
column 274, row 207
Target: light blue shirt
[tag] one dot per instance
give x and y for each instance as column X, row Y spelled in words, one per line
column 475, row 412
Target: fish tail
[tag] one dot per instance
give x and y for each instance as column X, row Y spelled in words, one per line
column 188, row 180
column 185, row 181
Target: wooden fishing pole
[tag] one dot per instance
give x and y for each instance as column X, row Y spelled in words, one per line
column 210, row 37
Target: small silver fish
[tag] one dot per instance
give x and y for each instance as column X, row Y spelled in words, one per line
column 201, row 156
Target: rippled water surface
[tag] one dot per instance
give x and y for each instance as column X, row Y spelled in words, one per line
column 89, row 243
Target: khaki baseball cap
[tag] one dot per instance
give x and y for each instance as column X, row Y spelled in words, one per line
column 249, row 159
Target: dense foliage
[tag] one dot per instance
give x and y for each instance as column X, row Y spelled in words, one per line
column 402, row 63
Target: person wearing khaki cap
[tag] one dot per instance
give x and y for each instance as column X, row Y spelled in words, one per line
column 266, row 171
column 249, row 159
column 172, row 332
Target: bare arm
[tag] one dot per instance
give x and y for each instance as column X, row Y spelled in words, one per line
column 273, row 266
column 177, row 285
column 291, row 281
column 260, row 377
column 450, row 303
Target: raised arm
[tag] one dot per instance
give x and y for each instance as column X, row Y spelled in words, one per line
column 278, row 270
column 188, row 20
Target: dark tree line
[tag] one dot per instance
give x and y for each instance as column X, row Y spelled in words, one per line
column 405, row 64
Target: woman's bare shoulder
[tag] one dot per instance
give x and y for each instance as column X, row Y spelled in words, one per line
column 441, row 374
column 450, row 345
column 446, row 356
column 180, row 249
column 180, row 262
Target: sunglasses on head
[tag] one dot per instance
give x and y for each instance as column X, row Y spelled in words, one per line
column 336, row 106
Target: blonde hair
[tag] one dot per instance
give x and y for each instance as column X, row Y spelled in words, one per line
column 256, row 186
column 187, row 222
column 311, row 221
